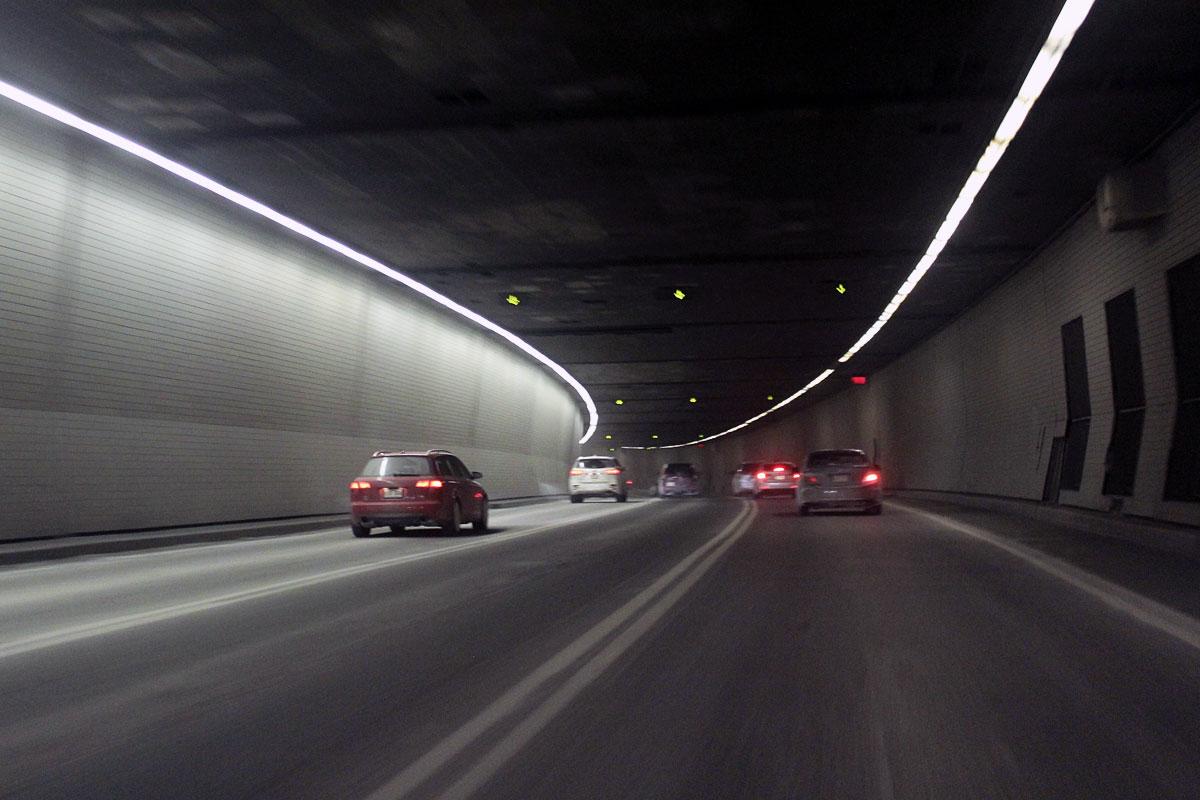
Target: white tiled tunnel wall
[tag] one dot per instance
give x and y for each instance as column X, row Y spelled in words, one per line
column 166, row 359
column 975, row 407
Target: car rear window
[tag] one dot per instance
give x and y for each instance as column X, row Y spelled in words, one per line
column 397, row 466
column 837, row 458
column 595, row 463
column 679, row 469
column 786, row 467
column 749, row 466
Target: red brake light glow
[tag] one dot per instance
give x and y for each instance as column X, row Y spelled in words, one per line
column 796, row 475
column 613, row 471
column 575, row 471
column 429, row 484
column 812, row 480
column 360, row 485
column 762, row 476
column 858, row 380
column 778, row 469
column 871, row 477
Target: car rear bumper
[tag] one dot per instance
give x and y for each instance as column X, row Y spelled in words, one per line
column 397, row 512
column 610, row 489
column 848, row 497
column 678, row 491
column 776, row 486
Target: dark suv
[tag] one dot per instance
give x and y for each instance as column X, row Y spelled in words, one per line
column 678, row 479
column 432, row 487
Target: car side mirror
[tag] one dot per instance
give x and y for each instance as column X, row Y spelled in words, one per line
column 476, row 475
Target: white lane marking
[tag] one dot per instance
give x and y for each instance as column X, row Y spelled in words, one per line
column 510, row 701
column 87, row 630
column 1149, row 612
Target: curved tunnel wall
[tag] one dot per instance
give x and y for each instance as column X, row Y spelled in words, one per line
column 167, row 360
column 975, row 408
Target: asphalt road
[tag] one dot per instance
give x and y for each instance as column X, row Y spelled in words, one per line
column 657, row 649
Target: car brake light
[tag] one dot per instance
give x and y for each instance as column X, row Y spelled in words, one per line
column 812, row 480
column 613, row 471
column 575, row 471
column 629, row 483
column 429, row 484
column 871, row 477
column 360, row 485
column 796, row 475
column 779, row 469
column 762, row 476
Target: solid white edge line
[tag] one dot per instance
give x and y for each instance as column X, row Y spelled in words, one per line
column 88, row 630
column 1176, row 624
column 426, row 766
column 1070, row 17
column 71, row 120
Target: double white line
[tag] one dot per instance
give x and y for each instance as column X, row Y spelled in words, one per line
column 629, row 622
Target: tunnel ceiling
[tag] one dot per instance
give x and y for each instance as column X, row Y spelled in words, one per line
column 592, row 158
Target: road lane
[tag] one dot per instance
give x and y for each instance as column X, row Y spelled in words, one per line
column 282, row 695
column 879, row 657
column 829, row 656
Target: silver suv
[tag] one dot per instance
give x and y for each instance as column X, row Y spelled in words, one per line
column 840, row 480
column 598, row 476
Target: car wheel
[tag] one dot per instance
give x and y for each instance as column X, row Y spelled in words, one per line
column 359, row 531
column 453, row 526
column 621, row 498
column 481, row 525
column 875, row 511
column 576, row 498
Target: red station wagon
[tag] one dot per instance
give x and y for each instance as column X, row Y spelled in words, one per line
column 426, row 488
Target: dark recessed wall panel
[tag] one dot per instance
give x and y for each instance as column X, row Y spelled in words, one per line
column 1183, row 468
column 1129, row 394
column 1079, row 404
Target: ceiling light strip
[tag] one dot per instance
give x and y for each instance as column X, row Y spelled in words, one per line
column 52, row 111
column 1070, row 17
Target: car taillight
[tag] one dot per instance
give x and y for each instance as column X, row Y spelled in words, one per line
column 430, row 484
column 762, row 476
column 796, row 476
column 575, row 472
column 779, row 469
column 613, row 471
column 870, row 477
column 360, row 484
column 812, row 480
column 629, row 483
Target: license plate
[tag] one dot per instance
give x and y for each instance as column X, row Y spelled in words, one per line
column 391, row 494
column 841, row 478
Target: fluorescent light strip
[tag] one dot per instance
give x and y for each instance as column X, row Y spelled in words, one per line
column 1070, row 17
column 52, row 111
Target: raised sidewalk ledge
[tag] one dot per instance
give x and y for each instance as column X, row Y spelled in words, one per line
column 48, row 548
column 1166, row 536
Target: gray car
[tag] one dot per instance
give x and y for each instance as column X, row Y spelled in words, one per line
column 679, row 479
column 840, row 480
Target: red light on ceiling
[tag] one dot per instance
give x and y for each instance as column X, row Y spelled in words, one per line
column 858, row 380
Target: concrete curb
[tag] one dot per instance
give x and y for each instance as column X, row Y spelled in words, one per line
column 51, row 548
column 1165, row 536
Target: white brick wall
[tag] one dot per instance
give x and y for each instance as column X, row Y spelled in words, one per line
column 164, row 359
column 967, row 410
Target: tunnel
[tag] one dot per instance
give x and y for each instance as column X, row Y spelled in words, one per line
column 452, row 399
